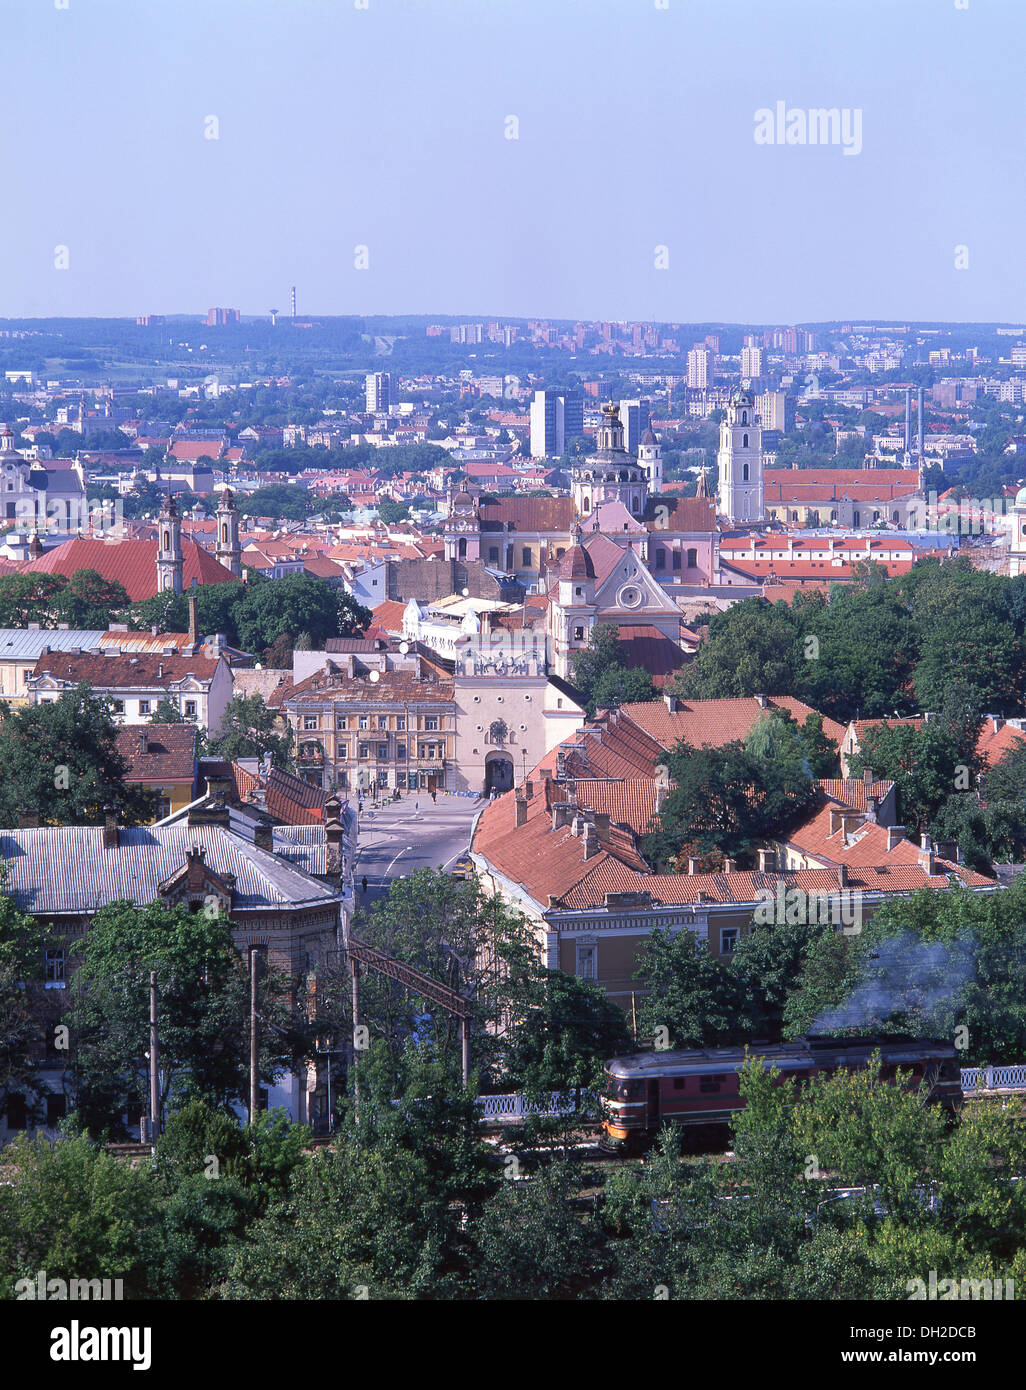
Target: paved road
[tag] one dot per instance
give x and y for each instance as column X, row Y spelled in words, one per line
column 414, row 833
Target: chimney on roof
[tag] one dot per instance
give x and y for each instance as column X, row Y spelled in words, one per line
column 867, row 776
column 520, row 803
column 836, row 820
column 872, row 809
column 28, row 820
column 996, row 722
column 926, row 855
column 263, row 836
column 895, row 834
column 334, row 835
column 111, row 837
column 529, row 789
column 842, row 875
column 947, row 849
column 212, row 811
column 193, row 621
column 563, row 813
column 590, row 838
column 767, row 861
column 601, row 819
column 671, row 701
column 761, row 701
column 692, row 864
column 729, row 866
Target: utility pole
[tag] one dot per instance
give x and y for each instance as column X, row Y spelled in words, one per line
column 254, row 1036
column 154, row 1075
column 354, row 966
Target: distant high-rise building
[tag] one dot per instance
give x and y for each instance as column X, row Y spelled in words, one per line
column 573, row 414
column 378, row 392
column 217, row 318
column 293, row 298
column 700, row 368
column 548, row 425
column 635, row 416
column 751, row 362
column 775, row 410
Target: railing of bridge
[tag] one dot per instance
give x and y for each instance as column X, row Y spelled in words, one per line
column 507, row 1109
column 993, row 1078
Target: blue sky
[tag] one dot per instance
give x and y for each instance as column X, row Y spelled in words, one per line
column 385, row 127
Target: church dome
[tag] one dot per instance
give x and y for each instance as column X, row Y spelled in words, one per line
column 576, row 563
column 1020, row 497
column 648, row 437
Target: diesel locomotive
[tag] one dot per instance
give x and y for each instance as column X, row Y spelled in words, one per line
column 701, row 1087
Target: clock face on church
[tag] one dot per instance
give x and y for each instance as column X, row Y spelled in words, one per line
column 629, row 597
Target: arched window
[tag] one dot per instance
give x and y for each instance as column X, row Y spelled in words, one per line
column 461, row 549
column 744, row 441
column 587, row 505
column 167, row 540
column 744, row 421
column 224, row 532
column 692, row 559
column 744, row 473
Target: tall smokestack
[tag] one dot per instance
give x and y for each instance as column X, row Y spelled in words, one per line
column 920, row 419
column 293, row 301
column 908, row 418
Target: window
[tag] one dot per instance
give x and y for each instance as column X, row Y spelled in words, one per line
column 527, row 557
column 382, row 751
column 382, row 721
column 493, row 554
column 578, row 634
column 578, row 591
column 341, row 722
column 587, row 960
column 56, row 1109
column 400, row 723
column 342, row 750
column 119, row 706
column 382, row 779
column 190, row 709
column 708, row 1084
column 364, row 724
column 679, row 1083
column 744, row 473
column 692, row 559
column 660, row 559
column 54, row 962
column 400, row 779
column 744, row 441
column 16, row 1111
column 364, row 750
column 309, row 721
column 400, row 752
column 728, row 940
column 676, row 559
column 431, row 721
column 144, row 706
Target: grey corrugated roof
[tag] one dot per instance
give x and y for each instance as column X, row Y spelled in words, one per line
column 21, row 643
column 302, row 845
column 65, row 868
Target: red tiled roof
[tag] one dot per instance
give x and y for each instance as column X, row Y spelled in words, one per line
column 293, row 801
column 647, row 647
column 169, row 756
column 993, row 746
column 716, row 722
column 528, row 514
column 668, row 513
column 106, row 672
column 132, row 564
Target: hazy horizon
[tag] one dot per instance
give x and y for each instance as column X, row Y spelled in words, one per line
column 364, row 155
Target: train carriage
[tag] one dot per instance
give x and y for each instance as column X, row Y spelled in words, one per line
column 700, row 1087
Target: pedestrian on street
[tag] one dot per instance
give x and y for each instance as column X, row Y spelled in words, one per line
column 363, row 883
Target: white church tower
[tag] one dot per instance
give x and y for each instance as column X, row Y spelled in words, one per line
column 741, row 494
